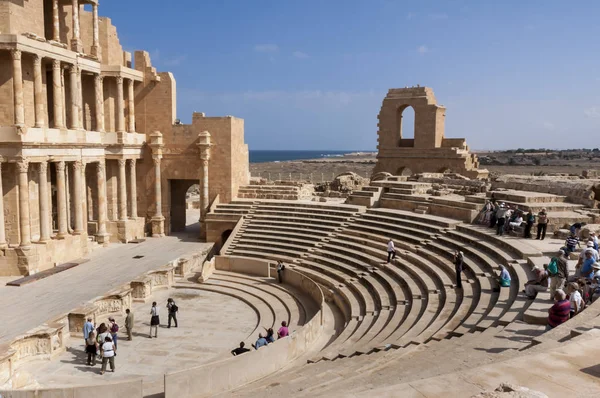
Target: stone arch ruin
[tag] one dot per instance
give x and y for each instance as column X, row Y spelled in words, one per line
column 429, row 148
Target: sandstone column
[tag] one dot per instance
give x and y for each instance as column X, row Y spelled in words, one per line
column 158, row 221
column 204, row 145
column 77, row 193
column 74, row 97
column 99, row 89
column 57, row 92
column 84, row 199
column 55, row 21
column 122, row 190
column 133, row 188
column 44, row 208
column 18, row 90
column 38, row 90
column 3, row 244
column 102, row 209
column 76, row 40
column 23, row 168
column 64, row 95
column 80, row 99
column 120, row 106
column 96, row 32
column 131, row 106
column 61, row 196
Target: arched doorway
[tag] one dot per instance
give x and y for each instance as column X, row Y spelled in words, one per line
column 404, row 171
column 184, row 207
column 405, row 125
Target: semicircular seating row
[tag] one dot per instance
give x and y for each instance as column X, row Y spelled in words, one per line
column 410, row 302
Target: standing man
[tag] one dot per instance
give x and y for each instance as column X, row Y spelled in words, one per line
column 88, row 327
column 172, row 310
column 280, row 269
column 529, row 219
column 501, row 219
column 391, row 250
column 542, row 224
column 458, row 266
column 129, row 324
column 557, row 280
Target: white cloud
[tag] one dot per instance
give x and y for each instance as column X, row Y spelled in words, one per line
column 593, row 112
column 300, row 55
column 422, row 49
column 438, row 16
column 266, row 48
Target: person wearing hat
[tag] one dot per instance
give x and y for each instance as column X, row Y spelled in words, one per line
column 558, row 279
column 542, row 224
column 575, row 298
column 596, row 268
column 114, row 329
column 539, row 284
column 594, row 239
column 501, row 219
column 587, row 268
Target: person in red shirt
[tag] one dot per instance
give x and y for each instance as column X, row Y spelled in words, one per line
column 559, row 313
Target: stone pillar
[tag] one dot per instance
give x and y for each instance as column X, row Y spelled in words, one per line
column 84, row 202
column 3, row 244
column 55, row 21
column 204, row 144
column 131, row 106
column 133, row 188
column 95, row 33
column 77, row 198
column 122, row 190
column 44, row 207
column 99, row 93
column 61, row 196
column 18, row 91
column 80, row 99
column 76, row 39
column 158, row 221
column 74, row 97
column 64, row 95
column 102, row 235
column 57, row 94
column 23, row 168
column 38, row 90
column 120, row 106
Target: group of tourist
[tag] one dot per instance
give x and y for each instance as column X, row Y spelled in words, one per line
column 263, row 339
column 506, row 218
column 102, row 342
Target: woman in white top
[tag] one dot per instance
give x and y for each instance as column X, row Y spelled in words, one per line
column 154, row 320
column 108, row 354
column 575, row 298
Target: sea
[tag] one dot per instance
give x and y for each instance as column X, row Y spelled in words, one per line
column 260, row 156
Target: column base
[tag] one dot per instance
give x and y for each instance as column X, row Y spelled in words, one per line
column 203, row 231
column 158, row 226
column 60, row 236
column 103, row 238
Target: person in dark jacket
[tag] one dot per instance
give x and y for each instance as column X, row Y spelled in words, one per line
column 458, row 267
column 529, row 220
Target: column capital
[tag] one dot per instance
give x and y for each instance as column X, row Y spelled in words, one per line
column 99, row 78
column 60, row 166
column 43, row 166
column 56, row 64
column 122, row 162
column 132, row 163
column 119, row 79
column 15, row 54
column 101, row 166
column 37, row 59
column 77, row 165
column 23, row 165
column 156, row 161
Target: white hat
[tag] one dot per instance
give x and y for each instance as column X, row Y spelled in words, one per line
column 590, row 244
column 596, row 266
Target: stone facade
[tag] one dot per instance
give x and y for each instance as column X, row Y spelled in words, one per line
column 90, row 150
column 429, row 150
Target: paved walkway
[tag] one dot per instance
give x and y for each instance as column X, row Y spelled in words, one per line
column 31, row 305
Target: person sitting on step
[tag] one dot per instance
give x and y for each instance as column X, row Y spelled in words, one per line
column 539, row 284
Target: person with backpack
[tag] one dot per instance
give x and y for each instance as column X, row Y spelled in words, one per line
column 114, row 329
column 172, row 310
column 559, row 272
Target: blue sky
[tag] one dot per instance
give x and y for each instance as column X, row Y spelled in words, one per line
column 312, row 74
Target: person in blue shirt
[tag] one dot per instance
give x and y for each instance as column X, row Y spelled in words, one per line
column 88, row 326
column 587, row 270
column 260, row 342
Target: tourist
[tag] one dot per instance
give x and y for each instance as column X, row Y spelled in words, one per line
column 542, row 224
column 560, row 311
column 485, row 214
column 240, row 350
column 154, row 320
column 102, row 332
column 587, row 267
column 88, row 327
column 516, row 222
column 493, row 218
column 571, row 244
column 529, row 220
column 458, row 267
column 558, row 269
column 594, row 239
column 114, row 329
column 510, row 216
column 576, row 228
column 270, row 337
column 108, row 355
column 500, row 219
column 391, row 251
column 91, row 348
column 575, row 298
column 172, row 310
column 129, row 324
column 283, row 330
column 539, row 284
column 590, row 247
column 260, row 342
column 280, row 269
column 504, row 277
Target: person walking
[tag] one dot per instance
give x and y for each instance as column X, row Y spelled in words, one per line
column 558, row 277
column 280, row 269
column 529, row 220
column 108, row 355
column 542, row 224
column 458, row 267
column 114, row 329
column 154, row 320
column 172, row 310
column 129, row 324
column 88, row 327
column 391, row 251
column 91, row 348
